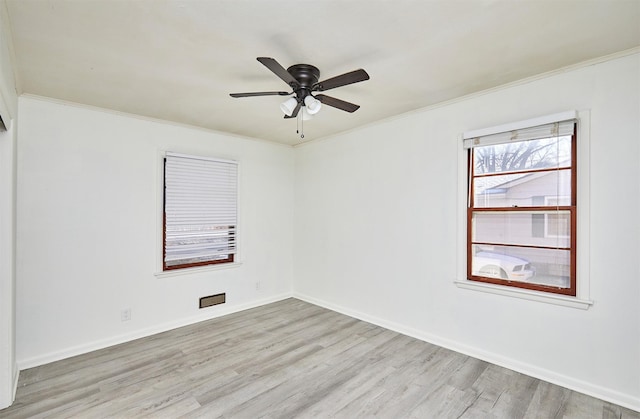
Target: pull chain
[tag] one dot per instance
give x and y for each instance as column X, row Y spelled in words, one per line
column 300, row 123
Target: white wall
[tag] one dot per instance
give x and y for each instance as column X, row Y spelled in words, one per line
column 9, row 112
column 89, row 202
column 375, row 233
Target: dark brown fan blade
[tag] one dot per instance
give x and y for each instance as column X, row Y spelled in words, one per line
column 337, row 103
column 295, row 111
column 259, row 94
column 341, row 80
column 278, row 70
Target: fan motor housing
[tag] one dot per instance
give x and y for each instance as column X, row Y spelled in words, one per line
column 306, row 74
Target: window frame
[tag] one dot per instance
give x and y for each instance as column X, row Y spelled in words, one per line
column 582, row 299
column 572, row 208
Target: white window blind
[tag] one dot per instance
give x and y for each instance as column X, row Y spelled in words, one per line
column 556, row 129
column 200, row 210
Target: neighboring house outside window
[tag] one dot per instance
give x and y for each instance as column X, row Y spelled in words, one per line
column 200, row 211
column 521, row 213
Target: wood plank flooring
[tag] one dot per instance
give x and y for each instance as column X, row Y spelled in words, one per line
column 289, row 359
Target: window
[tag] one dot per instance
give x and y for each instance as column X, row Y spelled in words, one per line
column 521, row 212
column 200, row 206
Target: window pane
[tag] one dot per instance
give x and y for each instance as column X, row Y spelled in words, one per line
column 198, row 260
column 523, row 190
column 521, row 228
column 522, row 264
column 523, row 155
column 196, row 244
column 558, row 225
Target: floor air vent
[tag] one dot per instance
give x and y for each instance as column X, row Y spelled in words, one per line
column 212, row 300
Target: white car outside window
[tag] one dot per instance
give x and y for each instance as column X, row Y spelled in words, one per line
column 496, row 265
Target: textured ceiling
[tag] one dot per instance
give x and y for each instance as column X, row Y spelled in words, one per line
column 179, row 60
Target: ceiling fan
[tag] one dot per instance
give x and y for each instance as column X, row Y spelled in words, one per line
column 303, row 80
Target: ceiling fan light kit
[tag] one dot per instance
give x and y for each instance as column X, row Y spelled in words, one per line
column 312, row 105
column 288, row 106
column 305, row 114
column 303, row 80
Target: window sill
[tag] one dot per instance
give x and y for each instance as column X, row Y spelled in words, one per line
column 556, row 299
column 197, row 270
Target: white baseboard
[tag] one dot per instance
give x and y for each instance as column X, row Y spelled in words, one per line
column 594, row 390
column 116, row 340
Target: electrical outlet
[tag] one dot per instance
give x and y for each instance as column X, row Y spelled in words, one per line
column 125, row 315
column 257, row 285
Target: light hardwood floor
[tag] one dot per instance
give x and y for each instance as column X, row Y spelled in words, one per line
column 290, row 359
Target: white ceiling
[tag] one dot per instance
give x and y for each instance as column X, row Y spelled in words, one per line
column 179, row 60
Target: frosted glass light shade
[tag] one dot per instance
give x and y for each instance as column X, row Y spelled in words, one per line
column 305, row 114
column 312, row 104
column 288, row 106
